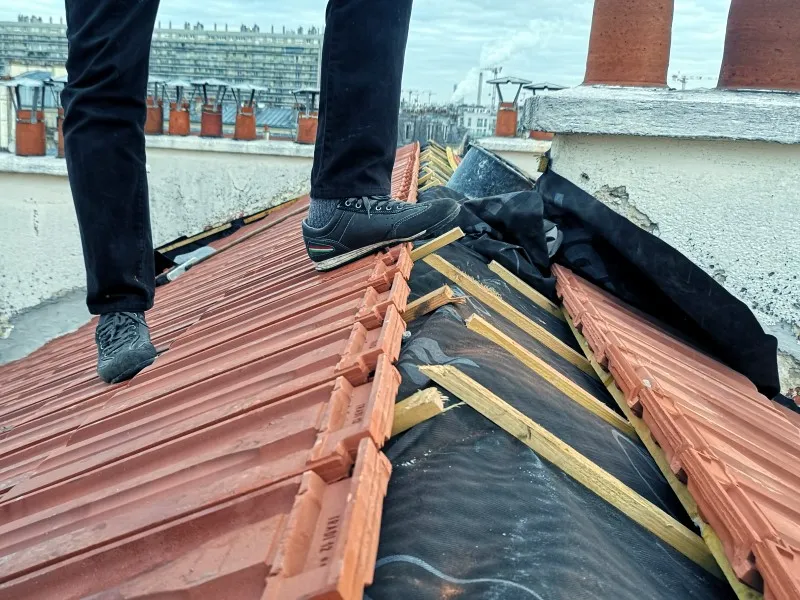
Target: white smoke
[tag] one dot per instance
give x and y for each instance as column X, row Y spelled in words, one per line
column 494, row 54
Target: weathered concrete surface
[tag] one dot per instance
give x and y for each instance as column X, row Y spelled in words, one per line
column 694, row 114
column 731, row 207
column 189, row 192
column 263, row 147
column 23, row 333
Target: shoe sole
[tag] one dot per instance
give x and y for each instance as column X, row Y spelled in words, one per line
column 348, row 257
column 133, row 371
column 353, row 255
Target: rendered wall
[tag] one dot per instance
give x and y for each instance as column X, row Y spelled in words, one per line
column 189, row 192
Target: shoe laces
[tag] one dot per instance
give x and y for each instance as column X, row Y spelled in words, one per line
column 116, row 329
column 375, row 203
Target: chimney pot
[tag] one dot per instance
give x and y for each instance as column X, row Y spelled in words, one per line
column 762, row 46
column 630, row 43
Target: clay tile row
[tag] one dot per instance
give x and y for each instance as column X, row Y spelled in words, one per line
column 244, row 461
column 244, row 536
column 735, row 449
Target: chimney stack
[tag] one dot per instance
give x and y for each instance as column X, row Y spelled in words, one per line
column 30, row 134
column 179, row 123
column 762, row 46
column 630, row 43
column 507, row 114
column 307, row 117
column 211, row 113
column 154, row 123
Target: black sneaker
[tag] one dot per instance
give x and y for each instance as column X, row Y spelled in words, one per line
column 361, row 226
column 123, row 346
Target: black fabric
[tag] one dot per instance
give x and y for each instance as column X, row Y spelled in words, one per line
column 471, row 512
column 426, row 279
column 104, row 101
column 623, row 259
column 643, row 270
column 506, row 229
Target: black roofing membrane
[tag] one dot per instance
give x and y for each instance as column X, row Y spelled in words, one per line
column 472, row 512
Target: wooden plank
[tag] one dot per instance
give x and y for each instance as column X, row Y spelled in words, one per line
column 544, row 162
column 426, row 177
column 574, row 464
column 417, row 408
column 523, row 288
column 559, row 381
column 742, row 591
column 430, row 302
column 494, row 301
column 269, row 211
column 451, row 159
column 194, row 238
column 604, row 375
column 437, row 243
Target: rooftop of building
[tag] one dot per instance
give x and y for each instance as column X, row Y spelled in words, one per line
column 476, row 416
column 264, row 416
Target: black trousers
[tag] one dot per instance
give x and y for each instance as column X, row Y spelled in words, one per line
column 104, row 102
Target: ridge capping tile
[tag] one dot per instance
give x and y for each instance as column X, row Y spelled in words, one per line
column 331, row 555
column 360, row 356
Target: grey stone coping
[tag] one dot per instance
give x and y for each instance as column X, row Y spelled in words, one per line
column 692, row 114
column 33, row 165
column 502, row 144
column 196, row 143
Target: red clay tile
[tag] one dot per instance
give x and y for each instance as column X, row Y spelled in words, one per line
column 221, row 471
column 780, row 567
column 737, row 451
column 243, row 537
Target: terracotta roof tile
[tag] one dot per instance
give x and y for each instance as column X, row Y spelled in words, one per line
column 261, row 421
column 736, row 450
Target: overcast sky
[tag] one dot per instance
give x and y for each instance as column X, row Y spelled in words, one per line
column 542, row 40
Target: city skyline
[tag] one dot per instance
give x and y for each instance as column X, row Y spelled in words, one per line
column 450, row 39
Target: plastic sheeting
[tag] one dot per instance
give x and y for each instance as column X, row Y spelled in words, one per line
column 473, row 513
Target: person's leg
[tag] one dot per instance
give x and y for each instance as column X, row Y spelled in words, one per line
column 104, row 114
column 362, row 70
column 104, row 104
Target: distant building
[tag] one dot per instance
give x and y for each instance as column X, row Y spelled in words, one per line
column 280, row 61
column 479, row 121
column 421, row 125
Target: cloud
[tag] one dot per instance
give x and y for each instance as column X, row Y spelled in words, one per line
column 450, row 39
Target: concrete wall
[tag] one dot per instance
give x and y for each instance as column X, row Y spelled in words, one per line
column 190, row 190
column 523, row 153
column 733, row 207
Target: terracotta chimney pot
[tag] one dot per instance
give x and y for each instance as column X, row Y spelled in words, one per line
column 762, row 46
column 630, row 43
